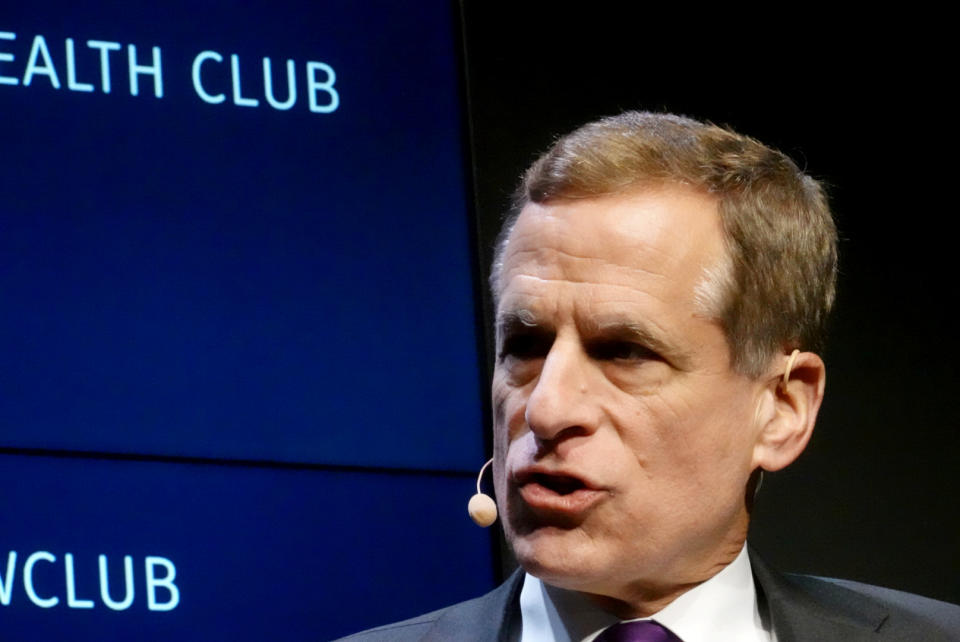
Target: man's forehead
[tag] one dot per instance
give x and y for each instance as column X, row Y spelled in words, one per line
column 657, row 243
column 678, row 223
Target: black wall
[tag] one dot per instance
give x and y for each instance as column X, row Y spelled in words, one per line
column 861, row 106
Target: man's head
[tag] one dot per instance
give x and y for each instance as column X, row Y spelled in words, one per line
column 648, row 291
column 776, row 286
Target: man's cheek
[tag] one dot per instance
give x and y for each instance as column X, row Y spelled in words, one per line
column 508, row 413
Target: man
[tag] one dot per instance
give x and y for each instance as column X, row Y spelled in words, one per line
column 661, row 292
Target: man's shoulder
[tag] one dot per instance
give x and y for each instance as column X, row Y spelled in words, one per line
column 412, row 629
column 806, row 607
column 891, row 598
column 483, row 618
column 906, row 613
column 802, row 607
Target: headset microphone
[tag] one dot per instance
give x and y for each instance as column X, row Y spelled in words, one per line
column 482, row 508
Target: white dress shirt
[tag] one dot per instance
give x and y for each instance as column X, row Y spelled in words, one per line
column 722, row 609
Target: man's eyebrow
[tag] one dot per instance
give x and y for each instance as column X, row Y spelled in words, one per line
column 628, row 330
column 515, row 320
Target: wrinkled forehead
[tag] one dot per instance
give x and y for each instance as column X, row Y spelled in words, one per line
column 662, row 240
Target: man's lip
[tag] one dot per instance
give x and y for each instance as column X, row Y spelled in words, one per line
column 555, row 491
column 533, row 474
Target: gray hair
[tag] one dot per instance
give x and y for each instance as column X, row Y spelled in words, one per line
column 776, row 289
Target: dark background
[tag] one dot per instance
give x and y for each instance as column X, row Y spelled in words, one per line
column 862, row 106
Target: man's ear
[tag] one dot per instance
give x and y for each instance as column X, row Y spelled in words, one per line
column 788, row 411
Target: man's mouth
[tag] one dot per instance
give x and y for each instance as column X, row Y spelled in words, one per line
column 556, row 493
column 559, row 484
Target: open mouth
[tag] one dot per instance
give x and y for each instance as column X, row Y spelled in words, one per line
column 559, row 484
column 556, row 495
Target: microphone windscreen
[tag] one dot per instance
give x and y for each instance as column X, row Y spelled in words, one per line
column 482, row 509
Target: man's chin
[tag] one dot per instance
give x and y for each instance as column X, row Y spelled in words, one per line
column 562, row 557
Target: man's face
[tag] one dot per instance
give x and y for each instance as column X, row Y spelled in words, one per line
column 623, row 440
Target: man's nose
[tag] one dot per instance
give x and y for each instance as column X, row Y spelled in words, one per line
column 563, row 402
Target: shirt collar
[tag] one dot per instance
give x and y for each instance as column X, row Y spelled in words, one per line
column 722, row 608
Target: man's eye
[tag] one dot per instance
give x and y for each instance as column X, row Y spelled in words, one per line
column 526, row 346
column 621, row 350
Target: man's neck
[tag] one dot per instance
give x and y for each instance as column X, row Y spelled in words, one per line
column 725, row 604
column 642, row 599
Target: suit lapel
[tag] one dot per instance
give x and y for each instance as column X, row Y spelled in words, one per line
column 804, row 609
column 491, row 618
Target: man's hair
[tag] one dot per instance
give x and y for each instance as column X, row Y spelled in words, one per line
column 776, row 287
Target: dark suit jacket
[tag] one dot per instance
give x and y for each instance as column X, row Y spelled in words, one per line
column 801, row 608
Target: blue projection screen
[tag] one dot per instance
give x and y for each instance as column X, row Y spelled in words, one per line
column 239, row 334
